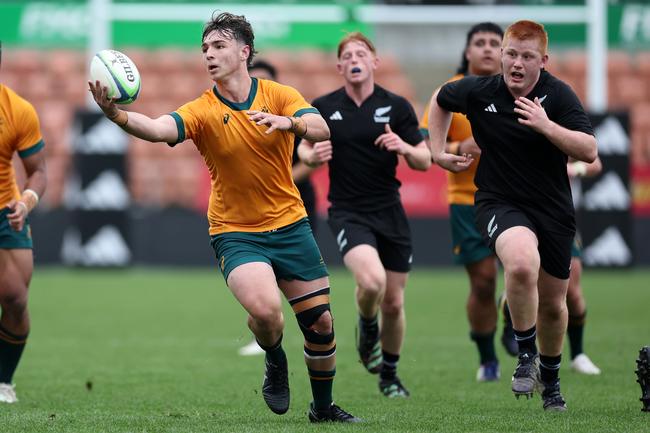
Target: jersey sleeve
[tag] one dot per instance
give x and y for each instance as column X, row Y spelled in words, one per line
column 570, row 113
column 289, row 102
column 454, row 96
column 407, row 123
column 30, row 140
column 189, row 119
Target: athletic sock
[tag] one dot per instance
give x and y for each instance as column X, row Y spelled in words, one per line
column 549, row 367
column 526, row 340
column 11, row 349
column 370, row 326
column 275, row 353
column 321, row 387
column 485, row 345
column 389, row 365
column 575, row 331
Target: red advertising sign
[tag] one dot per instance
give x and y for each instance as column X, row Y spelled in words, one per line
column 424, row 194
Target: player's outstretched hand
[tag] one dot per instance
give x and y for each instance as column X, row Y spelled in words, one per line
column 273, row 121
column 17, row 215
column 391, row 142
column 100, row 94
column 532, row 113
column 454, row 163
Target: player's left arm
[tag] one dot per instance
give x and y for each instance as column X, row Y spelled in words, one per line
column 576, row 144
column 406, row 139
column 417, row 156
column 34, row 189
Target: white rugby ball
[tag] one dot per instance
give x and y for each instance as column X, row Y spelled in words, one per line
column 116, row 71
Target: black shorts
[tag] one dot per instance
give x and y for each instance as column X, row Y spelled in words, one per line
column 494, row 216
column 386, row 230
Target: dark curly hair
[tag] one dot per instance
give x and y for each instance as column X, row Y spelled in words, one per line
column 233, row 26
column 486, row 27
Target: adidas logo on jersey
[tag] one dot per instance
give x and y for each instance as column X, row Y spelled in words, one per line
column 491, row 108
column 609, row 193
column 336, row 116
column 609, row 249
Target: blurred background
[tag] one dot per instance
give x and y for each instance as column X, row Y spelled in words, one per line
column 115, row 201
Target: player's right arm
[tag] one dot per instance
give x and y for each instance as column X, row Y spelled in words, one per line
column 162, row 129
column 439, row 121
column 576, row 168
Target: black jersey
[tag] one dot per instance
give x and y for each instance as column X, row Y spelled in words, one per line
column 517, row 163
column 305, row 187
column 362, row 175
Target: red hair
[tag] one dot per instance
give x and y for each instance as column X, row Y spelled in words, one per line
column 355, row 37
column 526, row 30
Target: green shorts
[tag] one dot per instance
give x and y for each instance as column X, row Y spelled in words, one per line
column 291, row 251
column 11, row 239
column 468, row 244
column 576, row 246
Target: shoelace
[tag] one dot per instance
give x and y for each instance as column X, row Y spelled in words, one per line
column 278, row 377
column 524, row 367
column 553, row 398
column 340, row 413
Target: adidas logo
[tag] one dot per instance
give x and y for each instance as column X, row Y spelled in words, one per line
column 609, row 193
column 101, row 138
column 336, row 116
column 611, row 137
column 106, row 248
column 491, row 108
column 609, row 249
column 106, row 192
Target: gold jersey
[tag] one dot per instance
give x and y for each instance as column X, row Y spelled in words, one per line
column 252, row 186
column 19, row 132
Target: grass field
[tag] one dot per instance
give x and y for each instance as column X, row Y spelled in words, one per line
column 155, row 351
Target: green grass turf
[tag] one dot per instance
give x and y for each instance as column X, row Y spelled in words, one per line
column 149, row 350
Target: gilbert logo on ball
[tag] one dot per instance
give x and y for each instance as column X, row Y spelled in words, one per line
column 116, row 71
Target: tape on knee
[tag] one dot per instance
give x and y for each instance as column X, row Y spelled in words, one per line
column 308, row 309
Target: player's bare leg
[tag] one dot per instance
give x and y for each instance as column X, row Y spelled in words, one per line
column 552, row 321
column 364, row 263
column 254, row 285
column 393, row 327
column 16, row 266
column 516, row 247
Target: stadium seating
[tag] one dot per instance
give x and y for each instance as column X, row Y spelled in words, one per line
column 54, row 82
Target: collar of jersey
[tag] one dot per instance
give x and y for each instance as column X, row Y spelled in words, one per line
column 239, row 105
